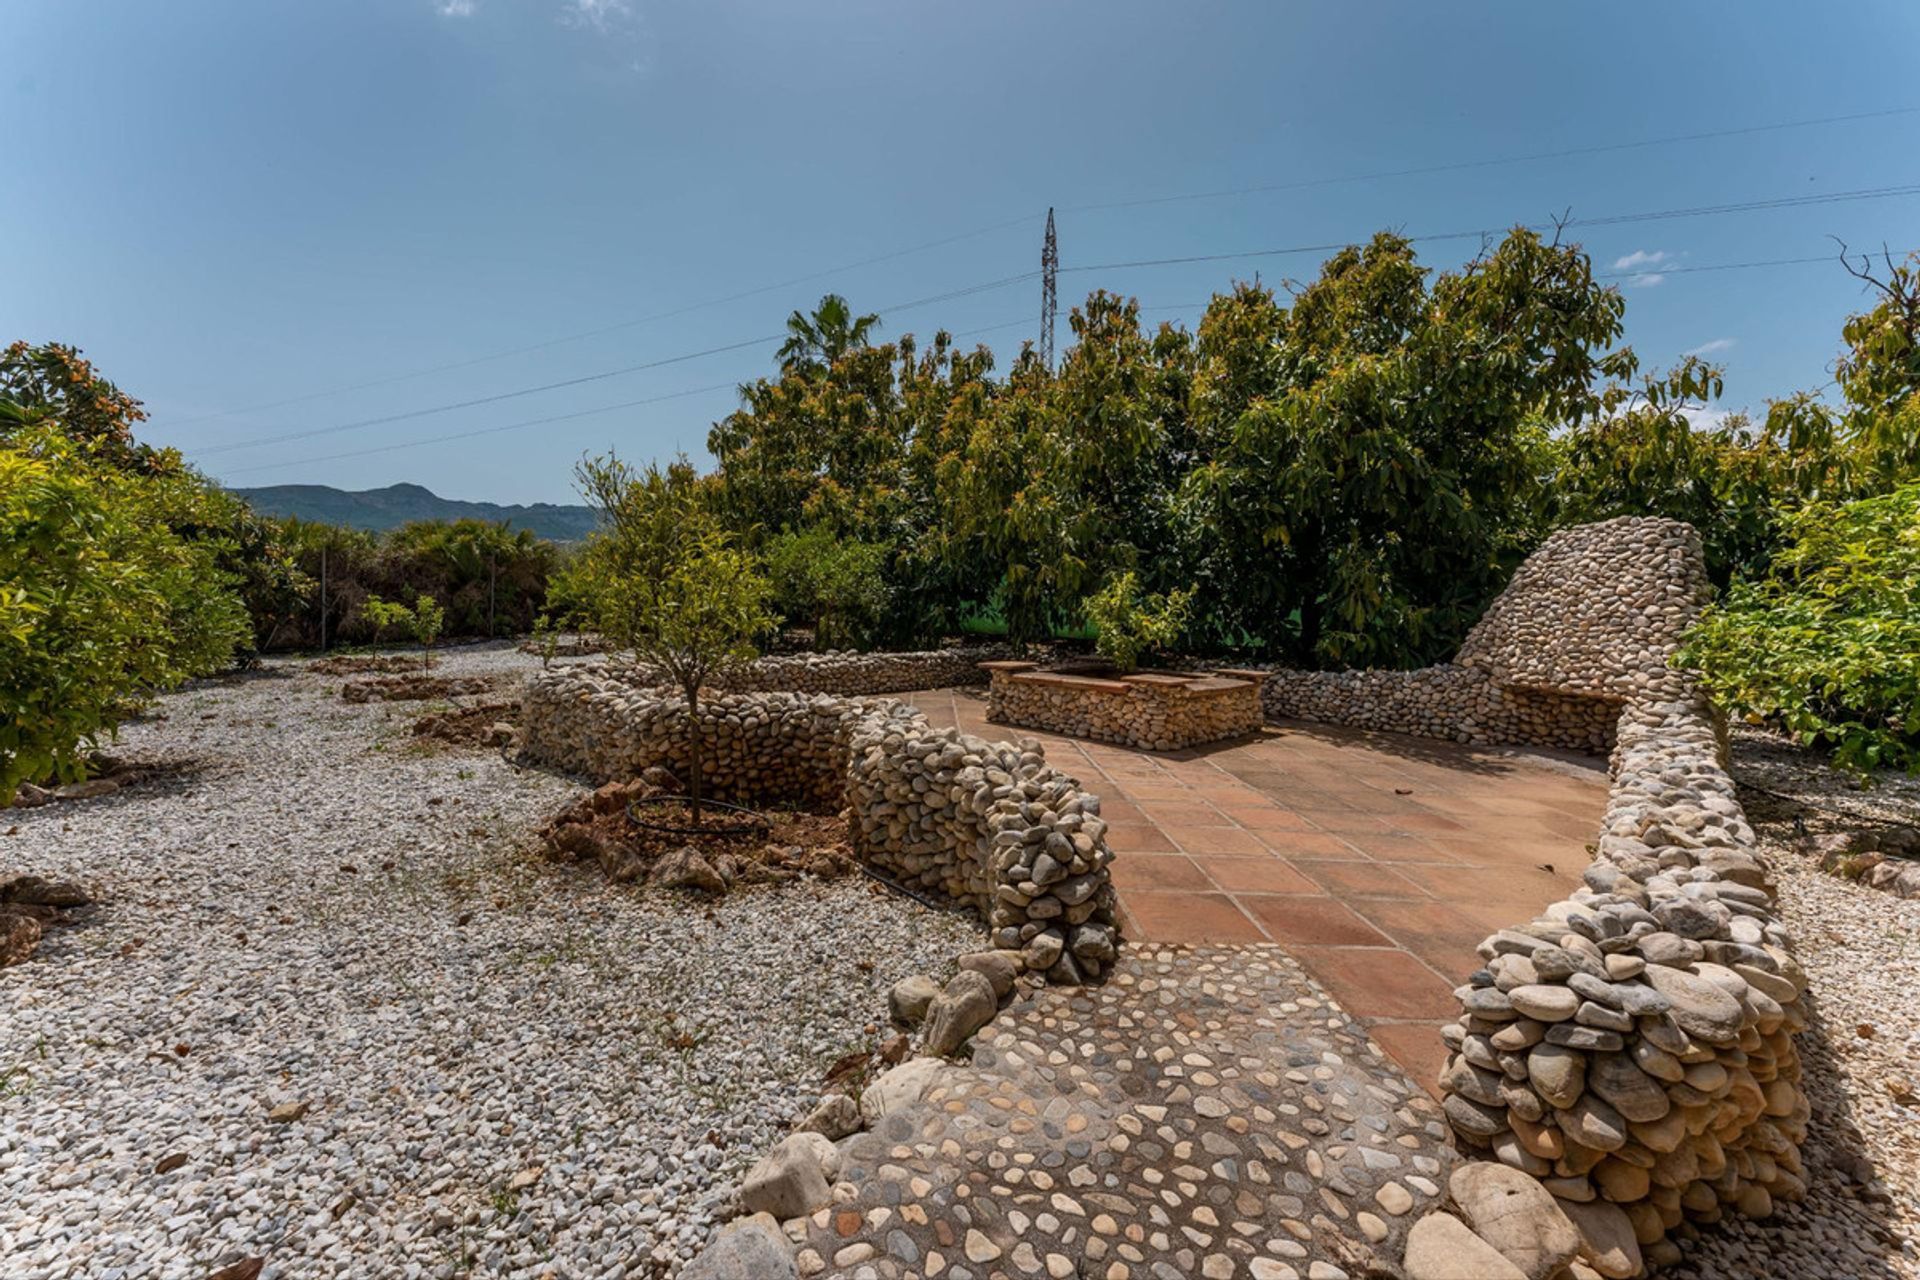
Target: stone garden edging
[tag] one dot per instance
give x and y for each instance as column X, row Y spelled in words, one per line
column 846, row 672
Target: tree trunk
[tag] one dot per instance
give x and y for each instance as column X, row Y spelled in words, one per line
column 695, row 735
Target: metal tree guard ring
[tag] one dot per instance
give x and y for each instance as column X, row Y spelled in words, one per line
column 756, row 820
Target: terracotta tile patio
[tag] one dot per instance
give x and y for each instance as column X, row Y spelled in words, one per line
column 1378, row 861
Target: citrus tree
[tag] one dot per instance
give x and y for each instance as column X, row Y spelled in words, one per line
column 666, row 581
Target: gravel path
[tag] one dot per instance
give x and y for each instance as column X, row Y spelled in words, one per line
column 1861, row 949
column 315, row 911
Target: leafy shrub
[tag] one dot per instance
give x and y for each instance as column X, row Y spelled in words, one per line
column 1829, row 644
column 102, row 603
column 838, row 586
column 1130, row 624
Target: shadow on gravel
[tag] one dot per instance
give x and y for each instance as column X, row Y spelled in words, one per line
column 1846, row 1198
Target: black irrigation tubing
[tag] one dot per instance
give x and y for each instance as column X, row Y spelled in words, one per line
column 758, row 821
column 932, row 904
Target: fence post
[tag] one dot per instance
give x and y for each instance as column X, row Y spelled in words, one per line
column 323, row 597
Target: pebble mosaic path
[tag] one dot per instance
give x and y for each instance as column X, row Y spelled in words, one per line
column 1377, row 860
column 1207, row 1112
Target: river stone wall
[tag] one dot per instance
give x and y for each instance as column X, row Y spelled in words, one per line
column 1585, row 626
column 1460, row 704
column 1150, row 710
column 838, row 671
column 990, row 824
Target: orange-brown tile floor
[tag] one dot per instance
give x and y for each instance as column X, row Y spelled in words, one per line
column 1378, row 861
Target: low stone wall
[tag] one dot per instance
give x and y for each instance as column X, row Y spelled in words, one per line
column 1460, row 704
column 1631, row 1048
column 1155, row 711
column 990, row 824
column 846, row 672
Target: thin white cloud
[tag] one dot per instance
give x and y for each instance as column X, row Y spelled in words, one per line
column 601, row 15
column 455, row 8
column 1642, row 258
column 1704, row 419
column 1708, row 348
column 1649, row 280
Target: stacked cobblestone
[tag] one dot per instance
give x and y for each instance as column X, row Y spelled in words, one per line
column 1460, row 704
column 1586, row 625
column 986, row 823
column 846, row 672
column 1153, row 711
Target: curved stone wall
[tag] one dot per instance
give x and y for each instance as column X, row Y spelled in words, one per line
column 990, row 824
column 1624, row 1061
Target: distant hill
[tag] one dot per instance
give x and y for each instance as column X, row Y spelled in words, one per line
column 395, row 505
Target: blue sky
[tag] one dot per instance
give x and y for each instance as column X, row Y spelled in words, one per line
column 233, row 203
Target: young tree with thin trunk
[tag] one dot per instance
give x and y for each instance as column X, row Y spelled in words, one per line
column 668, row 583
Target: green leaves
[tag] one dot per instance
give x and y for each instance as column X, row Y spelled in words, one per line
column 1128, row 624
column 103, row 602
column 1828, row 645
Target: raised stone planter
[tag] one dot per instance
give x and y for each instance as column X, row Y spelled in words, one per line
column 838, row 671
column 1153, row 710
column 990, row 824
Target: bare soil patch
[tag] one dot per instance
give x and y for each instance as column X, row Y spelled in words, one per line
column 598, row 828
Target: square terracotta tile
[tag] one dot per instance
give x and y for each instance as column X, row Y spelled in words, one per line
column 1348, row 880
column 1312, row 844
column 1167, row 916
column 1204, row 840
column 1417, row 1047
column 1390, row 847
column 1160, row 871
column 1294, row 920
column 1439, row 933
column 1379, row 982
column 1144, row 837
column 1172, row 815
column 1263, row 874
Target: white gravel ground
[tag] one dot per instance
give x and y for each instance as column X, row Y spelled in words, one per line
column 1861, row 950
column 635, row 1050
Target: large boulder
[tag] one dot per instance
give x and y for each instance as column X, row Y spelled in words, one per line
column 908, row 999
column 899, row 1088
column 1516, row 1215
column 1440, row 1247
column 745, row 1249
column 966, row 1005
column 1607, row 1241
column 837, row 1117
column 38, row 891
column 19, row 935
column 793, row 1179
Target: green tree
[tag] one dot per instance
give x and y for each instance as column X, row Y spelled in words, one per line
column 670, row 584
column 102, row 603
column 816, row 342
column 1368, row 458
column 1828, row 645
column 423, row 621
column 836, row 585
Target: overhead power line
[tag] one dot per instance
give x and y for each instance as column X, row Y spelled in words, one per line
column 1303, row 184
column 1022, row 277
column 488, row 431
column 1493, row 162
column 1700, row 211
column 616, row 327
column 583, row 379
column 964, row 333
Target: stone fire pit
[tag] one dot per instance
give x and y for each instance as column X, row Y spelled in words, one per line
column 1153, row 710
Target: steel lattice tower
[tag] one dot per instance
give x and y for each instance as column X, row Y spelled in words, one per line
column 1049, row 291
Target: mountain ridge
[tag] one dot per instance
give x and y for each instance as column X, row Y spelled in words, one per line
column 388, row 508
